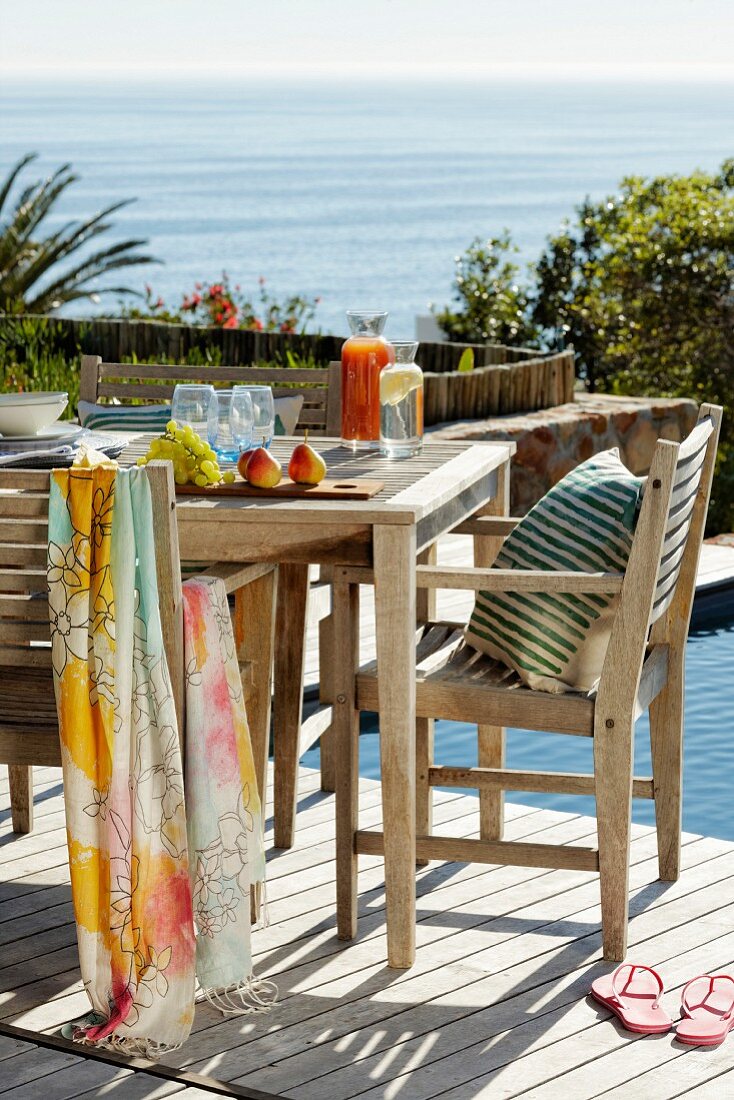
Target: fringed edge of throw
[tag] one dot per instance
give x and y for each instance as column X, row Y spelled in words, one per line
column 130, row 1045
column 242, row 998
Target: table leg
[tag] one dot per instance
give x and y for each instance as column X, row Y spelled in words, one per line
column 394, row 573
column 345, row 733
column 290, row 639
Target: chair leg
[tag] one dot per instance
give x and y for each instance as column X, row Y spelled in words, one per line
column 424, row 730
column 254, row 627
column 491, row 745
column 21, row 796
column 290, row 647
column 613, row 759
column 326, row 688
column 666, row 740
column 345, row 730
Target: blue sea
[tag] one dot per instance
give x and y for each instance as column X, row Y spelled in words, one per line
column 362, row 194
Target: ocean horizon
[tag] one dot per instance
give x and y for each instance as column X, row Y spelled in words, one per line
column 361, row 193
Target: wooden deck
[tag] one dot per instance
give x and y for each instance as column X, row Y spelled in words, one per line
column 495, row 1006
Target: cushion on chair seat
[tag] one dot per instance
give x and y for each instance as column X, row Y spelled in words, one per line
column 557, row 641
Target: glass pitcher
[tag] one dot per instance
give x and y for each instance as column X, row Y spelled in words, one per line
column 401, row 403
column 364, row 355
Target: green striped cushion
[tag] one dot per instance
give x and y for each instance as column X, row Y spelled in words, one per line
column 557, row 642
column 124, row 418
column 153, row 418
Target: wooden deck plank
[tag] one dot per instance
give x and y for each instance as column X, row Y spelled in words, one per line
column 512, row 974
column 496, row 1004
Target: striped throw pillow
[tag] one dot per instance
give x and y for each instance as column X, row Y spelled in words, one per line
column 557, row 642
column 124, row 418
column 153, row 418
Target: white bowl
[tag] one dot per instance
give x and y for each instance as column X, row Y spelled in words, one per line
column 29, row 413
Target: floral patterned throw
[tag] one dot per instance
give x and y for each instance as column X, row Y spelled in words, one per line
column 159, row 900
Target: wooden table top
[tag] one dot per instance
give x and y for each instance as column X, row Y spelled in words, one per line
column 414, row 487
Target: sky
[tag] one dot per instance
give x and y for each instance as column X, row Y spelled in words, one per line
column 451, row 39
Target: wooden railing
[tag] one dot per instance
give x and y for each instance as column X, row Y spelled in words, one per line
column 538, row 383
column 504, row 379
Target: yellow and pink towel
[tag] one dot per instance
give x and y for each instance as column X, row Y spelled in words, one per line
column 160, row 882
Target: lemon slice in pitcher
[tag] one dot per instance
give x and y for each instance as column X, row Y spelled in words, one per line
column 396, row 384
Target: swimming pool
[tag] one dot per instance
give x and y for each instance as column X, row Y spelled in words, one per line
column 708, row 782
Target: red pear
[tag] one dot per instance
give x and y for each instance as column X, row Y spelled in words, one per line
column 306, row 466
column 262, row 470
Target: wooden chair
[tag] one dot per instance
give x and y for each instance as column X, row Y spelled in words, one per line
column 304, row 597
column 643, row 668
column 28, row 725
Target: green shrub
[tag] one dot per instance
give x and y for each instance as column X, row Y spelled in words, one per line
column 490, row 307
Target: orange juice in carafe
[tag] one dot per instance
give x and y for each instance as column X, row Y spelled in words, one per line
column 364, row 355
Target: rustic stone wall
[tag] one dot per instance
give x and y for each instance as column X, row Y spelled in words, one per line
column 551, row 442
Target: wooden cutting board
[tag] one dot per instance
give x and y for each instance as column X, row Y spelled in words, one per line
column 358, row 488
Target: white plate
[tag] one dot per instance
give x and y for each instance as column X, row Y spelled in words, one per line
column 55, row 434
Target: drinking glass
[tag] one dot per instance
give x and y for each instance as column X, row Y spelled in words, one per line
column 263, row 413
column 221, row 437
column 195, row 405
column 240, row 419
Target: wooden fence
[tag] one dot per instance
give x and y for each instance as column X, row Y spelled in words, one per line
column 538, row 383
column 117, row 340
column 504, row 379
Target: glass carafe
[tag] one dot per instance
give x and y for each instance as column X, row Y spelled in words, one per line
column 364, row 355
column 401, row 403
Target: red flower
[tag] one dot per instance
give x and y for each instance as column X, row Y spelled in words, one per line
column 231, row 322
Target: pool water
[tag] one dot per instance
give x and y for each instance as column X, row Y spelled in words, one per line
column 708, row 783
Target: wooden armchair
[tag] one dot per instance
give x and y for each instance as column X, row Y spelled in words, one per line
column 303, row 596
column 28, row 726
column 643, row 668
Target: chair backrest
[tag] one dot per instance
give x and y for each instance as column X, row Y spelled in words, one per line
column 24, row 613
column 660, row 581
column 320, row 387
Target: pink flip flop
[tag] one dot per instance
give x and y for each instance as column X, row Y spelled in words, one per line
column 636, row 1001
column 708, row 1012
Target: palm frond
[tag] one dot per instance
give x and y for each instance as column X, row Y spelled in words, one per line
column 12, row 177
column 27, row 257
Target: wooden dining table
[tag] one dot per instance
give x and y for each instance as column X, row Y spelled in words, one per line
column 424, row 497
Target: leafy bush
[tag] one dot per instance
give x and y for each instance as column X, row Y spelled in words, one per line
column 492, row 307
column 37, row 354
column 223, row 305
column 34, row 355
column 641, row 285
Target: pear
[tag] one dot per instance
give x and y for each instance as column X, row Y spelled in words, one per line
column 306, row 466
column 262, row 470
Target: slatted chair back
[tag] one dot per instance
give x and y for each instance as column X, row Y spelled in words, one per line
column 28, row 726
column 661, row 572
column 686, row 514
column 320, row 387
column 24, row 620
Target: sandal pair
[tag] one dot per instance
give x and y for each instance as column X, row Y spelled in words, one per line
column 707, row 1004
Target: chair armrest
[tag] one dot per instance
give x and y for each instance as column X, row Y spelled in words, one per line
column 495, row 526
column 516, row 580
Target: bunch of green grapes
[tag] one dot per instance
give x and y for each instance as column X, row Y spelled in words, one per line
column 194, row 461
